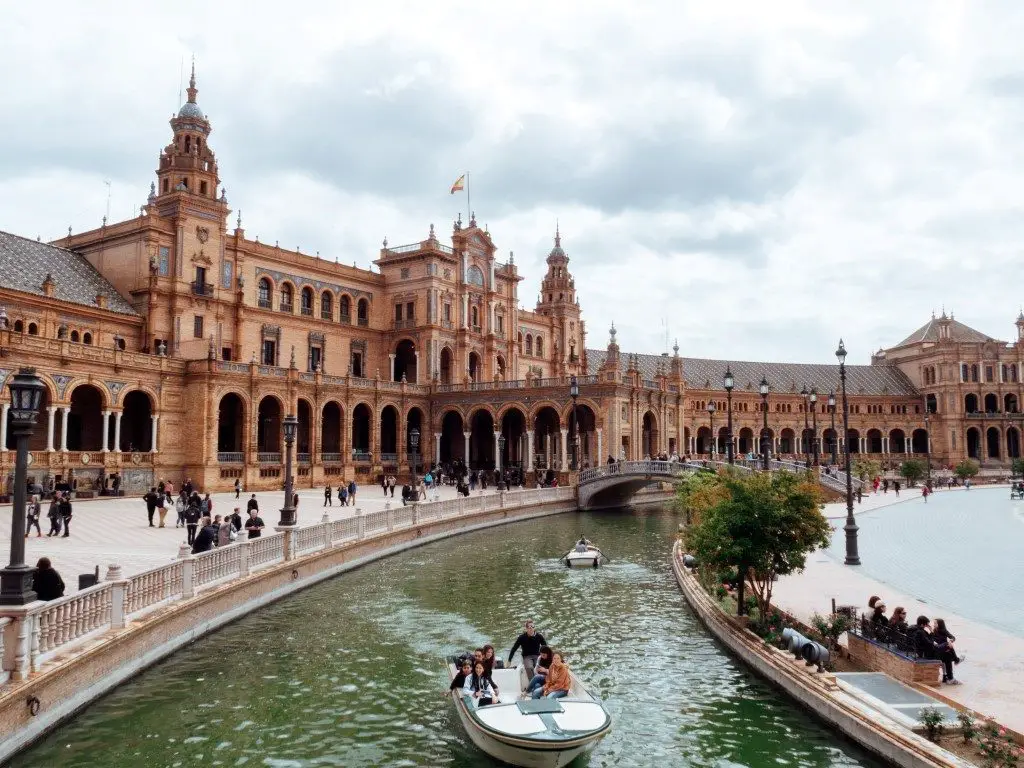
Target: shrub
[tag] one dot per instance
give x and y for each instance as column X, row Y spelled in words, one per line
column 998, row 749
column 932, row 720
column 831, row 627
column 968, row 726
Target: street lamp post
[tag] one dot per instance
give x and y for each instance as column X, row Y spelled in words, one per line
column 711, row 416
column 574, row 392
column 814, row 424
column 414, row 458
column 764, row 428
column 291, row 426
column 927, row 449
column 852, row 556
column 26, row 395
column 729, row 384
column 835, row 437
column 807, row 428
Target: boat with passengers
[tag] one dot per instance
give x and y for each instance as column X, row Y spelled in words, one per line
column 535, row 733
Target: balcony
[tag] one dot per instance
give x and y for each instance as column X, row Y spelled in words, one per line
column 264, row 304
column 409, row 322
column 330, row 458
column 326, row 314
column 476, row 329
column 363, row 322
column 202, row 289
column 287, row 308
column 302, row 458
column 269, row 458
column 389, row 459
column 231, row 457
column 307, row 311
column 345, row 318
column 448, row 325
column 361, row 457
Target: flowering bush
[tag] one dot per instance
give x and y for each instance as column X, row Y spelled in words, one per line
column 998, row 749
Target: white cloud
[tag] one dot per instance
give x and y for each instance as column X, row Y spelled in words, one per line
column 769, row 176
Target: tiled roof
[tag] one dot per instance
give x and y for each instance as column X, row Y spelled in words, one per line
column 782, row 377
column 24, row 265
column 957, row 331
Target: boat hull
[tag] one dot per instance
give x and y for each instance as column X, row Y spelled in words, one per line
column 528, row 757
column 583, row 559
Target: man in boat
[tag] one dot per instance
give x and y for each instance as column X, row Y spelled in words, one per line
column 465, row 670
column 582, row 544
column 529, row 642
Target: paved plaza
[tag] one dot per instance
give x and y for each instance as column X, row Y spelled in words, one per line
column 928, row 559
column 108, row 530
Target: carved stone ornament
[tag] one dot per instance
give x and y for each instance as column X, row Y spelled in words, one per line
column 85, row 458
column 203, row 234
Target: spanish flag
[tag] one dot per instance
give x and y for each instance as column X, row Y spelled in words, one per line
column 459, row 185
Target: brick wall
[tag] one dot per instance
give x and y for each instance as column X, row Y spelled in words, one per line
column 878, row 658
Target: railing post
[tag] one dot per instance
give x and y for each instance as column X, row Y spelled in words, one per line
column 415, row 513
column 389, row 516
column 188, row 586
column 243, row 555
column 18, row 640
column 118, row 596
column 501, row 500
column 360, row 524
column 289, row 544
column 325, row 522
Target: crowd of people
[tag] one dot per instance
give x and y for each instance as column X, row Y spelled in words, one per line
column 928, row 639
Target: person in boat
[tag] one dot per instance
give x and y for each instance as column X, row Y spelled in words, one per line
column 479, row 686
column 557, row 683
column 489, row 662
column 581, row 545
column 540, row 671
column 459, row 681
column 530, row 642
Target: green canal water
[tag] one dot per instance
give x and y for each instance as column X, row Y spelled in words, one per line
column 348, row 673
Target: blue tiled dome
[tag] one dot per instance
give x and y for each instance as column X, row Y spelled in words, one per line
column 191, row 109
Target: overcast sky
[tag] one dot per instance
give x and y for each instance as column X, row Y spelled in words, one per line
column 765, row 176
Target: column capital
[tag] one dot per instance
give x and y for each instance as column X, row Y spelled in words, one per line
column 66, row 408
column 467, row 435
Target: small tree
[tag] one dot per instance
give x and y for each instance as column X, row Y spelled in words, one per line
column 866, row 469
column 1017, row 467
column 698, row 493
column 765, row 528
column 913, row 470
column 966, row 468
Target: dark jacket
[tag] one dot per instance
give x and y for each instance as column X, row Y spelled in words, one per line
column 205, row 539
column 925, row 646
column 530, row 645
column 48, row 584
column 193, row 515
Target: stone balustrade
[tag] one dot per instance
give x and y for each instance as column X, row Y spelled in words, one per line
column 32, row 634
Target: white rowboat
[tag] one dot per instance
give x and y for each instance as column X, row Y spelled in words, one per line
column 591, row 558
column 535, row 733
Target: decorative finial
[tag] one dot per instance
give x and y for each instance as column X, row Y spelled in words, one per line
column 69, row 231
column 104, row 221
column 472, row 219
column 511, row 257
column 253, row 362
column 675, row 348
column 385, row 243
column 612, row 332
column 558, row 235
column 152, row 191
column 192, row 90
column 292, row 363
column 238, row 220
column 223, row 194
column 431, row 236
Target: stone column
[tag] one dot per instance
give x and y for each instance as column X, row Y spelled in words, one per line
column 106, row 430
column 64, row 429
column 50, row 418
column 437, row 447
column 497, row 451
column 156, row 423
column 885, row 445
column 3, row 426
column 600, row 448
column 529, row 450
column 565, row 454
column 391, row 370
column 117, row 431
column 466, row 436
column 417, row 379
column 547, row 450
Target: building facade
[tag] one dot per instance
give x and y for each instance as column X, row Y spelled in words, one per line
column 172, row 345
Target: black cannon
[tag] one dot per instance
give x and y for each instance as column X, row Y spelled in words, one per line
column 815, row 654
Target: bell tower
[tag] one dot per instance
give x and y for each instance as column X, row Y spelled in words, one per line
column 188, row 164
column 558, row 301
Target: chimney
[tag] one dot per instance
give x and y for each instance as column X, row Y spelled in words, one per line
column 48, row 285
column 101, row 300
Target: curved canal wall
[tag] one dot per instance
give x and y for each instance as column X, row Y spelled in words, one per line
column 61, row 655
column 817, row 692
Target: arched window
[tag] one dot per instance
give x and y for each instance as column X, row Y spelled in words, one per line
column 87, row 338
column 363, row 312
column 475, row 315
column 476, row 275
column 345, row 309
column 529, row 344
column 326, row 306
column 75, row 337
column 19, row 326
column 33, row 329
column 263, row 293
column 306, row 301
column 286, row 298
column 540, row 346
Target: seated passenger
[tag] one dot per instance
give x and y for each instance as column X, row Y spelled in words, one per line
column 557, row 683
column 928, row 648
column 540, row 670
column 489, row 662
column 581, row 545
column 479, row 686
column 459, row 681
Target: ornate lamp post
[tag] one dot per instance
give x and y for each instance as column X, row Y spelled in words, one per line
column 414, row 458
column 764, row 428
column 814, row 424
column 729, row 384
column 927, row 449
column 291, row 426
column 574, row 392
column 711, row 416
column 852, row 556
column 26, row 395
column 835, row 437
column 499, row 464
column 807, row 428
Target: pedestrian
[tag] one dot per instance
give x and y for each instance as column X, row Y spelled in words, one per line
column 252, row 504
column 206, row 506
column 254, row 524
column 46, row 582
column 33, row 511
column 54, row 514
column 924, row 493
column 235, row 518
column 238, row 487
column 193, row 514
column 115, row 483
column 161, row 506
column 151, row 500
column 206, row 538
column 328, row 496
column 352, row 492
column 181, row 507
column 860, row 495
column 384, row 484
column 343, row 494
column 392, row 480
column 65, row 513
column 896, row 486
column 226, row 532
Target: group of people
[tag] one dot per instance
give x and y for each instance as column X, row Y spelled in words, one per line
column 546, row 671
column 346, row 493
column 928, row 639
column 59, row 514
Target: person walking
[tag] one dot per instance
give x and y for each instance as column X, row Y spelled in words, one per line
column 328, row 496
column 54, row 515
column 352, row 492
column 225, row 532
column 150, row 498
column 193, row 514
column 65, row 513
column 254, row 524
column 161, row 508
column 238, row 487
column 235, row 518
column 343, row 494
column 46, row 582
column 181, row 507
column 33, row 511
column 252, row 504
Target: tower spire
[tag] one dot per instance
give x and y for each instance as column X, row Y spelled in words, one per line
column 192, row 90
column 558, row 235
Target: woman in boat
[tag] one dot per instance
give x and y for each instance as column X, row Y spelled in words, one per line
column 557, row 683
column 465, row 670
column 479, row 686
column 540, row 670
column 489, row 666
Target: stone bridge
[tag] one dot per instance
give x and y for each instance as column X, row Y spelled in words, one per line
column 613, row 485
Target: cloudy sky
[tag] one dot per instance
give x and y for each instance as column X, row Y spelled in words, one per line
column 767, row 177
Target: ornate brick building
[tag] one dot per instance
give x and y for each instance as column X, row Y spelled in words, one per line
column 173, row 345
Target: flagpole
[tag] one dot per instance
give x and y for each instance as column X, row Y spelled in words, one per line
column 469, row 208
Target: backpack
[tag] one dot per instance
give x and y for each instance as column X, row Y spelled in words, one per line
column 204, row 506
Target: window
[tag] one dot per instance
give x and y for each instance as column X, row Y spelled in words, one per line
column 410, row 311
column 165, row 256
column 202, row 187
column 286, row 298
column 33, row 329
column 475, row 276
column 326, row 306
column 200, row 283
column 269, row 352
column 197, row 326
column 167, row 186
column 540, row 347
column 306, row 301
column 363, row 312
column 988, row 373
column 404, row 273
column 475, row 315
column 316, row 356
column 500, row 320
column 74, row 336
column 964, row 372
column 398, row 313
column 345, row 308
column 19, row 326
column 263, row 293
column 87, row 338
column 357, row 364
column 529, row 344
column 225, row 353
column 974, row 373
column 447, row 313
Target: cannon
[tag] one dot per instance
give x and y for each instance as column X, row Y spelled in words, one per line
column 815, row 654
column 689, row 561
column 794, row 642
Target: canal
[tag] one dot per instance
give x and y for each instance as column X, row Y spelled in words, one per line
column 348, row 673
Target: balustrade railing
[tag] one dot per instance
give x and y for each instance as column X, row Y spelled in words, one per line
column 153, row 586
column 302, row 458
column 362, row 457
column 230, row 457
column 330, row 458
column 268, row 458
column 215, row 565
column 306, row 539
column 389, row 458
column 266, row 549
column 63, row 621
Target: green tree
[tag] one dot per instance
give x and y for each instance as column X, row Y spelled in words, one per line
column 913, row 470
column 1017, row 467
column 764, row 528
column 866, row 469
column 698, row 493
column 966, row 468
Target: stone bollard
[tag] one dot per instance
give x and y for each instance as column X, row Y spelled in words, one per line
column 325, row 518
column 188, row 587
column 184, row 551
column 243, row 556
column 118, row 596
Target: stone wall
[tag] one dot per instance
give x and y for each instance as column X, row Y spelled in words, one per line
column 878, row 658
